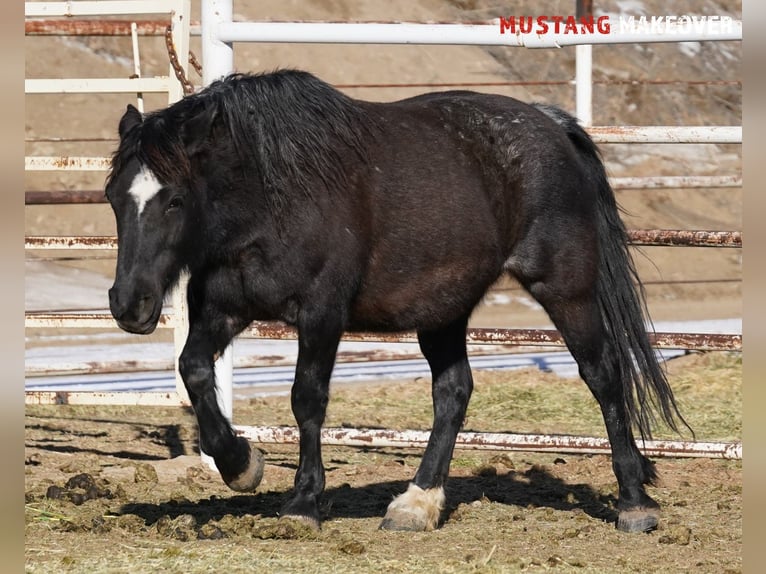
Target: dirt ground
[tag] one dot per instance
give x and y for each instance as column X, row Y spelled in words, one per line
column 119, row 489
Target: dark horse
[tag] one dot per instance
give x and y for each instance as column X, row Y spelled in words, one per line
column 287, row 200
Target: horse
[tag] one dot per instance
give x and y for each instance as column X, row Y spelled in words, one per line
column 285, row 199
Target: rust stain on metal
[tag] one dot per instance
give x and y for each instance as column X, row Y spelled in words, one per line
column 64, row 197
column 70, row 242
column 98, row 367
column 698, row 341
column 659, row 237
column 97, row 320
column 67, row 162
column 103, row 398
column 668, row 237
column 93, row 27
column 492, row 441
column 531, row 337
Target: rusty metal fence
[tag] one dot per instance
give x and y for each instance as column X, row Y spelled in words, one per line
column 71, row 25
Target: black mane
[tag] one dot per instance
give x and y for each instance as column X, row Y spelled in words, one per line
column 290, row 129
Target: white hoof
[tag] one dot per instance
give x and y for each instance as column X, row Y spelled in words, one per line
column 416, row 509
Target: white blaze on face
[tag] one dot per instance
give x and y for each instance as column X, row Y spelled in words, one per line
column 144, row 187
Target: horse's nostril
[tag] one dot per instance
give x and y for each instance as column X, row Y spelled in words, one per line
column 145, row 307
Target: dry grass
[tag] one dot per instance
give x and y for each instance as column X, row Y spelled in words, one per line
column 708, row 388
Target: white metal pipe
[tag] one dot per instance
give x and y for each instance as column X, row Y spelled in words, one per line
column 85, row 320
column 98, row 8
column 147, row 398
column 444, row 34
column 584, row 84
column 84, row 367
column 136, row 64
column 97, row 85
column 676, row 181
column 492, row 441
column 666, row 134
column 217, row 54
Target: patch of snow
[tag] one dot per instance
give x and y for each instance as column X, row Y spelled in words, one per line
column 50, row 286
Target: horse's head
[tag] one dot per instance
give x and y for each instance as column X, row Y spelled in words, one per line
column 155, row 213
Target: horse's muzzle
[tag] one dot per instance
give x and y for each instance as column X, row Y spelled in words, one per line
column 138, row 315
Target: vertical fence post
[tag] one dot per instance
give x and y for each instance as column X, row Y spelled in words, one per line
column 583, row 71
column 180, row 24
column 218, row 61
column 218, row 57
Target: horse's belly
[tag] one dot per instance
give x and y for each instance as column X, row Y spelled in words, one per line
column 426, row 297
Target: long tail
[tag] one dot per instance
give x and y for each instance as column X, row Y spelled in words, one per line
column 622, row 299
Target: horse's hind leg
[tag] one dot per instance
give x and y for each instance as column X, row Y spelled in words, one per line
column 580, row 324
column 420, row 507
column 567, row 291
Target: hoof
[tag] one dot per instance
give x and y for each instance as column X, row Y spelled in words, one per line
column 251, row 477
column 403, row 520
column 639, row 519
column 415, row 510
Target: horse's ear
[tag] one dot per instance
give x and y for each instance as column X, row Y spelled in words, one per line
column 196, row 128
column 130, row 118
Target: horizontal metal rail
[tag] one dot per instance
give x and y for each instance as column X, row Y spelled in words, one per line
column 666, row 134
column 93, row 27
column 69, row 197
column 489, row 34
column 84, row 320
column 645, row 237
column 59, row 197
column 97, row 8
column 485, row 32
column 155, row 84
column 527, row 337
column 684, row 238
column 84, row 367
column 600, row 134
column 75, row 163
column 70, row 242
column 146, row 398
column 359, row 437
column 676, row 182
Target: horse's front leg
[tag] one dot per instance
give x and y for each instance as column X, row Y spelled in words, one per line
column 317, row 346
column 240, row 465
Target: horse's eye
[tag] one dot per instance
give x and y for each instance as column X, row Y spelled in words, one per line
column 175, row 203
